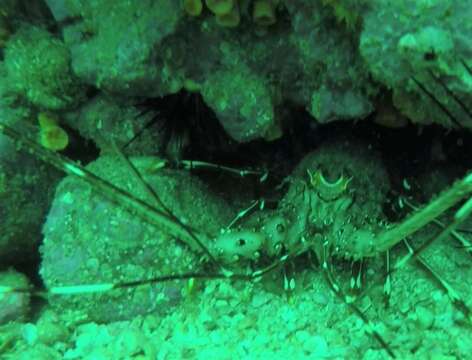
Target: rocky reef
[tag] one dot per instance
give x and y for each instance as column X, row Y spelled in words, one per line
column 223, row 137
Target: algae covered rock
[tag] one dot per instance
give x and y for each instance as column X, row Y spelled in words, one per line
column 115, row 44
column 242, row 103
column 38, row 67
column 244, row 73
column 14, row 306
column 26, row 189
column 89, row 239
column 335, row 84
column 105, row 119
column 422, row 47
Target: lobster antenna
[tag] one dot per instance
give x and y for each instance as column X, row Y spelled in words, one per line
column 451, row 94
column 164, row 208
column 146, row 211
column 437, row 102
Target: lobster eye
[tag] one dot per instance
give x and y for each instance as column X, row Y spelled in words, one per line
column 241, row 242
column 280, row 228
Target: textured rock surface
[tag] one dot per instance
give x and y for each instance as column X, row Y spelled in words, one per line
column 38, row 67
column 26, row 189
column 243, row 73
column 328, row 56
column 404, row 41
column 115, row 45
column 88, row 239
column 14, row 307
column 104, row 119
